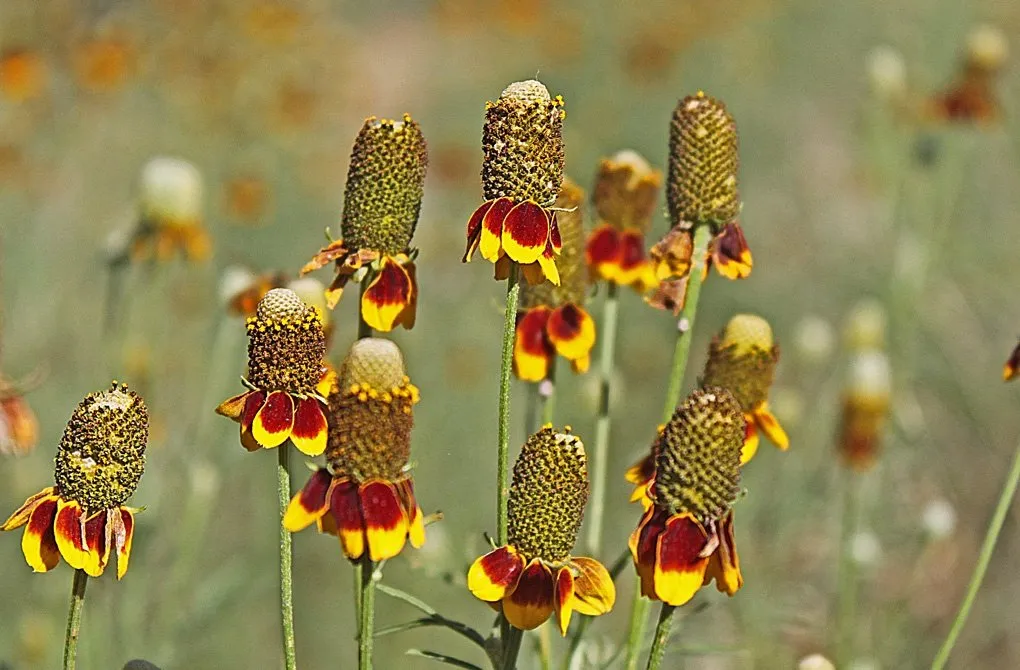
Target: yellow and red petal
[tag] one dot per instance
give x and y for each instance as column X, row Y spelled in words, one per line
column 415, row 519
column 571, row 330
column 769, row 425
column 672, row 255
column 490, row 243
column 310, row 503
column 122, row 535
column 532, row 350
column 730, row 253
column 530, row 604
column 97, row 543
column 233, row 408
column 310, row 430
column 38, row 543
column 1012, row 366
column 385, row 519
column 387, row 296
column 408, row 317
column 494, row 575
column 474, row 230
column 335, row 290
column 274, row 421
column 326, row 381
column 563, row 598
column 555, row 239
column 547, row 264
column 642, row 543
column 751, row 440
column 525, row 232
column 679, row 564
column 22, row 514
column 634, row 268
column 69, row 532
column 252, row 404
column 724, row 565
column 345, row 508
column 594, row 590
column 603, row 252
column 642, row 471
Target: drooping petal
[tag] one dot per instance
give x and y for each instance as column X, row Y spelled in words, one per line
column 408, row 317
column 233, row 408
column 97, row 543
column 1012, row 366
column 385, row 520
column 643, row 543
column 525, row 232
column 555, row 239
column 547, row 264
column 642, row 471
column 603, row 252
column 564, row 598
column 501, row 268
column 672, row 255
column 387, row 296
column 38, row 543
column 593, row 587
column 415, row 519
column 123, row 535
column 69, row 532
column 532, row 351
column 494, row 575
column 730, row 253
column 310, row 429
column 751, row 440
column 329, row 375
column 766, row 420
column 490, row 244
column 310, row 503
column 679, row 566
column 529, row 605
column 274, row 420
column 669, row 295
column 474, row 230
column 634, row 267
column 21, row 515
column 571, row 331
column 327, row 254
column 345, row 507
column 724, row 565
column 252, row 404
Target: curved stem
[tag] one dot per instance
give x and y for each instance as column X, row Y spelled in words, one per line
column 74, row 618
column 984, row 558
column 600, row 457
column 366, row 619
column 286, row 560
column 662, row 632
column 513, row 291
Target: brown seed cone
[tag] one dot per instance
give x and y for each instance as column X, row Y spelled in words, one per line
column 626, row 190
column 286, row 344
column 573, row 287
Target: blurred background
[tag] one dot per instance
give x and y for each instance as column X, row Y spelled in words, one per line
column 859, row 182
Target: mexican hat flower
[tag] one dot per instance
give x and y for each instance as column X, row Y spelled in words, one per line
column 685, row 538
column 365, row 495
column 534, row 575
column 552, row 319
column 287, row 378
column 521, row 176
column 642, row 473
column 866, row 403
column 701, row 191
column 83, row 517
column 19, row 430
column 972, row 97
column 625, row 192
column 385, row 183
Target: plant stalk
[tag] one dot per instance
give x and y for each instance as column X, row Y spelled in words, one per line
column 662, row 632
column 286, row 560
column 600, row 457
column 511, row 647
column 513, row 291
column 366, row 623
column 984, row 558
column 547, row 400
column 74, row 618
column 364, row 330
column 846, row 595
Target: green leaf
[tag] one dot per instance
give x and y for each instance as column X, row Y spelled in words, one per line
column 436, row 620
column 442, row 658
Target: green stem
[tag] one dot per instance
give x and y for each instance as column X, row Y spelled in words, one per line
column 600, row 457
column 545, row 646
column 846, row 595
column 662, row 632
column 286, row 560
column 74, row 618
column 363, row 328
column 366, row 623
column 702, row 237
column 547, row 393
column 513, row 291
column 511, row 647
column 984, row 558
column 358, row 571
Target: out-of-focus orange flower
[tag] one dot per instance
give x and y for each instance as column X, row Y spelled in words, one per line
column 272, row 23
column 247, row 198
column 22, row 75
column 104, row 64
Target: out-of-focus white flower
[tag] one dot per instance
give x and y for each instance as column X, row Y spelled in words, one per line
column 815, row 662
column 313, row 293
column 236, row 280
column 865, row 548
column 171, row 192
column 865, row 326
column 987, row 48
column 939, row 518
column 887, row 72
column 814, row 339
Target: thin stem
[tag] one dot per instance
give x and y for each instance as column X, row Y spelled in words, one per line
column 702, row 237
column 662, row 632
column 366, row 623
column 286, row 560
column 513, row 291
column 511, row 647
column 364, row 330
column 600, row 457
column 74, row 618
column 358, row 570
column 984, row 558
column 545, row 647
column 547, row 393
column 846, row 596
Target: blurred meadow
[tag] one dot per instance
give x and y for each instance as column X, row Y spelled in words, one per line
column 847, row 197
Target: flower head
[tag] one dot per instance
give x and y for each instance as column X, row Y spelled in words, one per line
column 552, row 319
column 625, row 194
column 385, row 184
column 534, row 575
column 287, row 378
column 685, row 538
column 366, row 496
column 522, row 172
column 99, row 463
column 866, row 403
column 972, row 98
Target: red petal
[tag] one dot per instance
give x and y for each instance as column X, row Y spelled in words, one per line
column 679, row 564
column 389, row 294
column 532, row 351
column 252, row 405
column 274, row 421
column 526, row 231
column 346, row 509
column 532, row 601
column 495, row 574
column 603, row 251
column 554, row 233
column 730, row 253
column 310, row 503
column 490, row 244
column 474, row 229
column 385, row 520
column 310, row 429
column 572, row 332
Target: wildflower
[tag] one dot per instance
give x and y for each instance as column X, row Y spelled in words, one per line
column 626, row 188
column 865, row 326
column 534, row 575
column 242, row 289
column 1012, row 367
column 887, row 73
column 865, row 409
column 287, row 379
column 19, row 430
column 170, row 217
column 685, row 538
column 971, row 97
column 642, row 473
column 385, row 183
column 99, row 463
column 521, row 177
column 22, row 74
column 365, row 495
column 552, row 319
column 702, row 190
